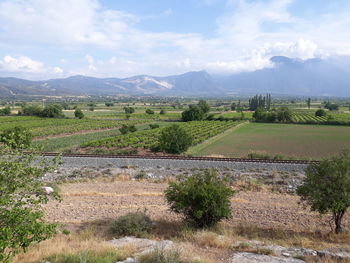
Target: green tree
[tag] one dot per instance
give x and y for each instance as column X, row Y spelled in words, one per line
column 16, row 138
column 326, row 188
column 174, row 139
column 308, row 103
column 320, row 113
column 284, row 114
column 233, row 106
column 205, row 107
column 5, row 111
column 203, row 198
column 78, row 113
column 127, row 128
column 52, row 111
column 129, row 110
column 162, row 112
column 149, row 111
column 193, row 113
column 21, row 198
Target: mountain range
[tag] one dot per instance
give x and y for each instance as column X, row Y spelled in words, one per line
column 312, row 77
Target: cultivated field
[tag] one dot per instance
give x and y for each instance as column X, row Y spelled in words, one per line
column 289, row 140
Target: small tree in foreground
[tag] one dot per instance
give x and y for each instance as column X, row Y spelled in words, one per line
column 17, row 137
column 203, row 198
column 21, row 197
column 326, row 188
column 174, row 139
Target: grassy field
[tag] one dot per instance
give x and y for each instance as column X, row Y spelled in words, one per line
column 297, row 141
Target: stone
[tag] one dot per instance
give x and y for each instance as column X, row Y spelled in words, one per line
column 142, row 245
column 334, row 253
column 47, row 190
column 128, row 260
column 245, row 257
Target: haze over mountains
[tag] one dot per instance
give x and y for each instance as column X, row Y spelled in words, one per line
column 313, row 77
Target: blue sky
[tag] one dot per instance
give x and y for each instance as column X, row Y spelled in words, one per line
column 42, row 39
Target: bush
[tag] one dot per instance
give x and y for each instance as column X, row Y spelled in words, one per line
column 149, row 111
column 17, row 137
column 33, row 110
column 78, row 114
column 174, row 139
column 326, row 187
column 203, row 198
column 133, row 224
column 5, row 111
column 127, row 128
column 320, row 113
column 162, row 112
column 284, row 114
column 52, row 111
column 194, row 113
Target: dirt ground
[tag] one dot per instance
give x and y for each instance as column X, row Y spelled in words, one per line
column 87, row 202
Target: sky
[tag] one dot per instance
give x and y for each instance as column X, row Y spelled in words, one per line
column 42, row 39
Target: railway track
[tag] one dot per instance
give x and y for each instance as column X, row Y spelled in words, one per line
column 182, row 158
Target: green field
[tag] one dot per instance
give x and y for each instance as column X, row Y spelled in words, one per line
column 289, row 140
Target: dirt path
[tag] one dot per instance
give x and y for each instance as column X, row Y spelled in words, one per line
column 84, row 202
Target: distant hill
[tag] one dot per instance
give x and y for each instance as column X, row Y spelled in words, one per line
column 313, row 77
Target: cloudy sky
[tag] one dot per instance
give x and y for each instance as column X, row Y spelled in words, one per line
column 42, row 39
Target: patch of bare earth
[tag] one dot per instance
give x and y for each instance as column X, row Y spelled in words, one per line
column 84, row 202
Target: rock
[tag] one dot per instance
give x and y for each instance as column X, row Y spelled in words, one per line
column 334, row 253
column 244, row 257
column 144, row 246
column 128, row 260
column 47, row 190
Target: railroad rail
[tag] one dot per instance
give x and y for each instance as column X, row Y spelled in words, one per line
column 181, row 158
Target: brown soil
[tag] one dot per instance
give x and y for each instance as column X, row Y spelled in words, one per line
column 86, row 202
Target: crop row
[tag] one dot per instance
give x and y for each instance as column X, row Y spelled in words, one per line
column 199, row 130
column 332, row 119
column 46, row 127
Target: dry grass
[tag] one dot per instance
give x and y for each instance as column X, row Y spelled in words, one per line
column 211, row 239
column 68, row 244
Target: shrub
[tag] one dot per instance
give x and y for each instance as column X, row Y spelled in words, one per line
column 52, row 111
column 33, row 110
column 133, row 224
column 162, row 112
column 320, row 113
column 149, row 111
column 174, row 139
column 78, row 114
column 284, row 114
column 5, row 111
column 203, row 198
column 127, row 128
column 194, row 113
column 326, row 187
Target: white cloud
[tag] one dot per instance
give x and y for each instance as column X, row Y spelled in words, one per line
column 21, row 64
column 244, row 40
